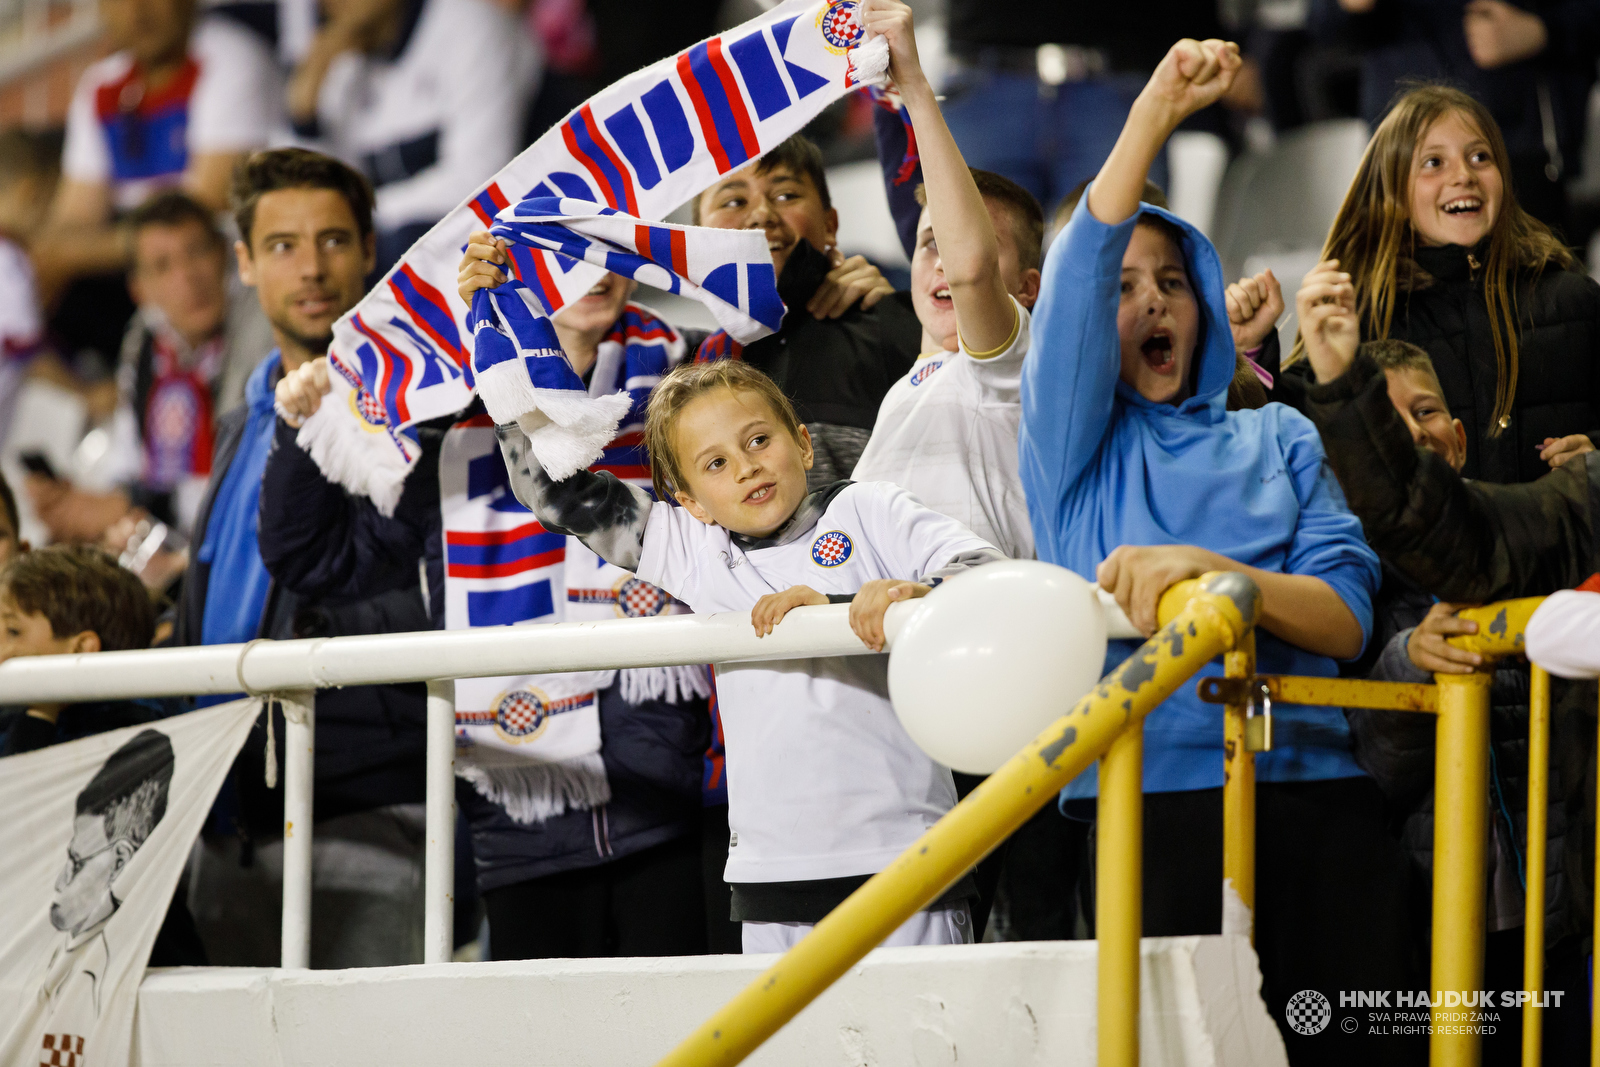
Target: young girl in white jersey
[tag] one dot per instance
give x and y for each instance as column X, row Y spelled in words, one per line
column 824, row 786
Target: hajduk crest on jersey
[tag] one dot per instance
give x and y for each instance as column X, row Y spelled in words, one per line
column 629, row 156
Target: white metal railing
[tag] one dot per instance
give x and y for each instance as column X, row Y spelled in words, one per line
column 290, row 672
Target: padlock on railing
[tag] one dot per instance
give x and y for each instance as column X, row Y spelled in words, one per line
column 1258, row 723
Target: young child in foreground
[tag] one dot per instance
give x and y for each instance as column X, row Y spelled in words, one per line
column 824, row 786
column 1138, row 477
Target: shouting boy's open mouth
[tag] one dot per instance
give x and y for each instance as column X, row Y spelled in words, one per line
column 1157, row 351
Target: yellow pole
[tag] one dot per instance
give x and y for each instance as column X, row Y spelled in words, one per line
column 1224, row 607
column 1538, row 815
column 1239, row 791
column 1460, row 836
column 1119, row 895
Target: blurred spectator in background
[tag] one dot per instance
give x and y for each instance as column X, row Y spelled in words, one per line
column 28, row 172
column 186, row 355
column 1040, row 92
column 1532, row 65
column 178, row 102
column 185, row 358
column 425, row 97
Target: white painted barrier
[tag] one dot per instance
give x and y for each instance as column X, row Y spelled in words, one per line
column 1012, row 1004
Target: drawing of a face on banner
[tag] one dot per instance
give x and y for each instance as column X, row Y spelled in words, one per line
column 96, row 835
column 114, row 814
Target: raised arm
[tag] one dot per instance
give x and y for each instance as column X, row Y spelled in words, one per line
column 968, row 248
column 1193, row 75
column 1466, row 542
column 604, row 512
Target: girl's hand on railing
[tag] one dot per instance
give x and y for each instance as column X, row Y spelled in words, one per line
column 770, row 609
column 1429, row 644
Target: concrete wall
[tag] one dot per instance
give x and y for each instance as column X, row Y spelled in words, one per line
column 1011, row 1004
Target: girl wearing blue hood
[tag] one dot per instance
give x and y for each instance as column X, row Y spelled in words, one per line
column 1138, row 477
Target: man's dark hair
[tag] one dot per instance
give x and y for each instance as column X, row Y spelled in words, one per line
column 130, row 789
column 800, row 156
column 8, row 500
column 29, row 154
column 173, row 208
column 80, row 588
column 1021, row 207
column 296, row 168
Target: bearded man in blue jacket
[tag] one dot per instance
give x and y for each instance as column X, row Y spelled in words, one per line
column 1138, row 477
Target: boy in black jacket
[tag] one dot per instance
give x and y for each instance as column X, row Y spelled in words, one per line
column 1466, row 542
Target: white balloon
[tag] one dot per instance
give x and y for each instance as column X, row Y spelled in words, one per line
column 992, row 657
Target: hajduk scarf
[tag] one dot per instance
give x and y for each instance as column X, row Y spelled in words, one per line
column 642, row 147
column 532, row 744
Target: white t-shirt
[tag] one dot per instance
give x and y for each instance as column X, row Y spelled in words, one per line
column 947, row 431
column 433, row 123
column 823, row 781
column 227, row 99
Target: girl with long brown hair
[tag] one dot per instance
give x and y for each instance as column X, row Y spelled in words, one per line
column 1433, row 246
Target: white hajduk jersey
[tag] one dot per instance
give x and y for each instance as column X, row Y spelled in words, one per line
column 226, row 98
column 823, row 782
column 947, row 431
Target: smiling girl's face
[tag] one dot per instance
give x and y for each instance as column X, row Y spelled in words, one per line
column 742, row 468
column 1158, row 319
column 1456, row 189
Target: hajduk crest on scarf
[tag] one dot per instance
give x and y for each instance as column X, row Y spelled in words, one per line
column 643, row 147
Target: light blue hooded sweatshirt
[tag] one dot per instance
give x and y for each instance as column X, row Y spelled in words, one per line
column 1104, row 467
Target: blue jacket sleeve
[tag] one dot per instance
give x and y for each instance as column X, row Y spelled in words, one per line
column 1328, row 542
column 1069, row 379
column 320, row 541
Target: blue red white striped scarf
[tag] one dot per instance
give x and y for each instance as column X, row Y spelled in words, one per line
column 642, row 147
column 532, row 743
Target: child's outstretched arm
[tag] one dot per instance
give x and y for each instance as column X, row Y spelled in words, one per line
column 1193, row 75
column 967, row 245
column 604, row 512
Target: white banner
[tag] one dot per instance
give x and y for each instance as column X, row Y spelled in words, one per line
column 95, row 837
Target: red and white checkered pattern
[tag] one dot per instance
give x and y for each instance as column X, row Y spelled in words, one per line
column 61, row 1050
column 638, row 599
column 840, row 25
column 520, row 713
column 831, row 549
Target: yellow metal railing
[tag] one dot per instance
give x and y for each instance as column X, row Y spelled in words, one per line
column 1200, row 619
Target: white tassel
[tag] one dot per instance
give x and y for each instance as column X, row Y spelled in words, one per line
column 532, row 792
column 668, row 684
column 367, row 460
column 567, row 431
column 869, row 62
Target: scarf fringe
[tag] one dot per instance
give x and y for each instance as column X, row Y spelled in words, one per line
column 368, row 461
column 669, row 684
column 566, row 430
column 869, row 63
column 532, row 792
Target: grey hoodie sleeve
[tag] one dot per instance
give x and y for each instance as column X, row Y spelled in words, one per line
column 1394, row 662
column 604, row 512
column 962, row 562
